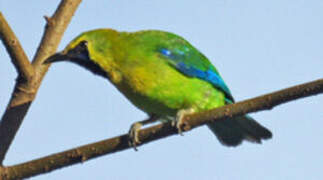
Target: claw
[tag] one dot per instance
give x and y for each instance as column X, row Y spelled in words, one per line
column 178, row 123
column 133, row 135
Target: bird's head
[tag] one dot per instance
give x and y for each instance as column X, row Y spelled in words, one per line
column 91, row 50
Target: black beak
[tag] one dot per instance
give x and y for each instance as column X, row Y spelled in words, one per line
column 79, row 54
column 59, row 56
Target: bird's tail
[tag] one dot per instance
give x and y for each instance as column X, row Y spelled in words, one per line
column 231, row 132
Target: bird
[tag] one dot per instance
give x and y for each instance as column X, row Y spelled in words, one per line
column 162, row 74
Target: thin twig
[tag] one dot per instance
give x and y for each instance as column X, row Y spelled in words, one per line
column 25, row 91
column 16, row 52
column 90, row 151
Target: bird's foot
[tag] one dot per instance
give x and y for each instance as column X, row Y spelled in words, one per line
column 134, row 131
column 178, row 123
column 133, row 135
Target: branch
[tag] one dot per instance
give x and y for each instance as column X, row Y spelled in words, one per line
column 25, row 91
column 90, row 151
column 17, row 54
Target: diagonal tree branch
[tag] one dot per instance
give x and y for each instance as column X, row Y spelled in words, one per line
column 90, row 151
column 25, row 91
column 16, row 52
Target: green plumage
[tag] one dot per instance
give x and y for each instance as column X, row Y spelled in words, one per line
column 161, row 73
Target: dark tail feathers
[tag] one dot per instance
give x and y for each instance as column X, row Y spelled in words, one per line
column 231, row 132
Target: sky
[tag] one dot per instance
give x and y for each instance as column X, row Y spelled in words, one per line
column 258, row 47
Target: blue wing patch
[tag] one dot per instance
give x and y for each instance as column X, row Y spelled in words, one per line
column 209, row 75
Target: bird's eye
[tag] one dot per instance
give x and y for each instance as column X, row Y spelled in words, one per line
column 81, row 47
column 83, row 44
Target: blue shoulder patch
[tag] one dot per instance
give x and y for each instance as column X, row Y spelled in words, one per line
column 178, row 60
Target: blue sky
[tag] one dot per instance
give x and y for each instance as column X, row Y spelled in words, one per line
column 258, row 47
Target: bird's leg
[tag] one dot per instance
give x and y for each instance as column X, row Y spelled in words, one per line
column 134, row 129
column 178, row 123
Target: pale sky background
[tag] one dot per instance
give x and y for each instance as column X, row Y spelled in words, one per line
column 258, row 47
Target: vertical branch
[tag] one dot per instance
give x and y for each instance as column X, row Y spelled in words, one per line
column 25, row 91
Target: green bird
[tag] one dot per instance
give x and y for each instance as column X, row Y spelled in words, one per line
column 162, row 74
